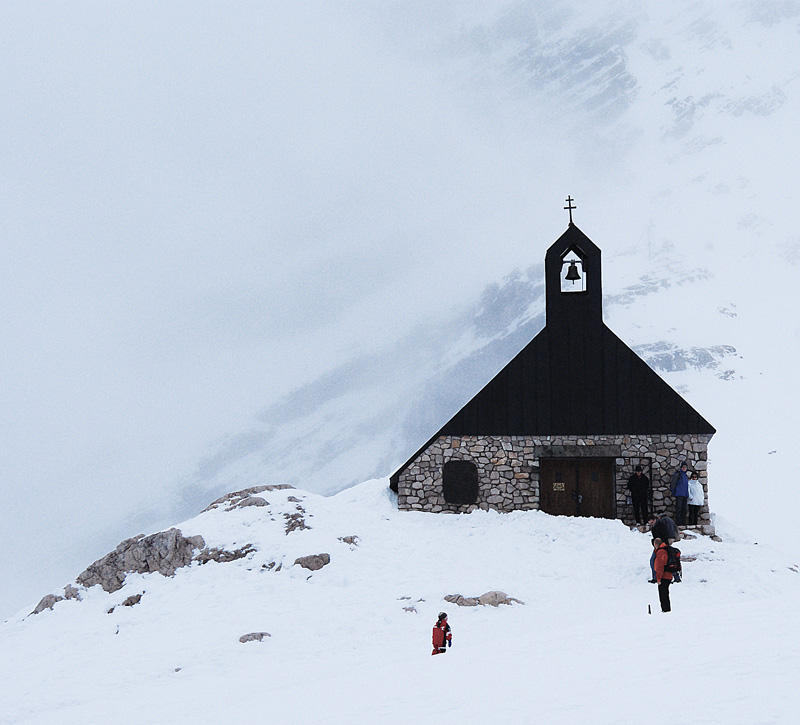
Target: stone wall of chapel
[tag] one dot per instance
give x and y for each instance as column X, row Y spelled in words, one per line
column 508, row 469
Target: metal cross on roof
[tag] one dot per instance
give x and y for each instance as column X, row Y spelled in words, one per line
column 570, row 207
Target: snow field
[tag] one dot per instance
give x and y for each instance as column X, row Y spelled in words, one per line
column 581, row 649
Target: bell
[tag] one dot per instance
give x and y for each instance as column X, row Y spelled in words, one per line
column 572, row 273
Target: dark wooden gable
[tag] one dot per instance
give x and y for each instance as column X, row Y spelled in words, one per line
column 576, row 377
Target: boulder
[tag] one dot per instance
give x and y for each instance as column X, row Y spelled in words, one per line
column 496, row 598
column 491, row 599
column 314, row 562
column 47, row 602
column 461, row 601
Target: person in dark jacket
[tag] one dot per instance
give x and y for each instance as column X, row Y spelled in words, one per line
column 679, row 485
column 664, row 578
column 639, row 486
column 663, row 527
column 442, row 635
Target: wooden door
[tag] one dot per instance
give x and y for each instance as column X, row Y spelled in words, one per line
column 577, row 487
column 558, row 486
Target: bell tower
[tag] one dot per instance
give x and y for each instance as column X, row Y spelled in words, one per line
column 573, row 282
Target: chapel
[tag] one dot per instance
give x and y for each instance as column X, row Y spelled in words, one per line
column 563, row 425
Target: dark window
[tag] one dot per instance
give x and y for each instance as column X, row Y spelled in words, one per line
column 460, row 482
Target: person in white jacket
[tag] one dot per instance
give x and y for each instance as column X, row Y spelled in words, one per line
column 696, row 499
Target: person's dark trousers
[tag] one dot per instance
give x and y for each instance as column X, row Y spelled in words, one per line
column 663, row 595
column 694, row 514
column 680, row 510
column 639, row 508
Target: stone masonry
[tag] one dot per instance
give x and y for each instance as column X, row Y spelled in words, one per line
column 508, row 469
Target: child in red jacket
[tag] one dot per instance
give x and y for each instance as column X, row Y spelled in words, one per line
column 442, row 636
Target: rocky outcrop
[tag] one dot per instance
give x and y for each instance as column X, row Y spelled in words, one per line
column 222, row 556
column 491, row 599
column 295, row 522
column 314, row 562
column 254, row 637
column 47, row 601
column 164, row 552
column 252, row 501
column 245, row 497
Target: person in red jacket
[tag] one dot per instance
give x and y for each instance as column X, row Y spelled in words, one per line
column 442, row 636
column 664, row 578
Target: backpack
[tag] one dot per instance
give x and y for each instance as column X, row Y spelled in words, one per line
column 673, row 565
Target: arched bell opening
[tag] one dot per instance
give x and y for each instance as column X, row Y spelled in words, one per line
column 573, row 271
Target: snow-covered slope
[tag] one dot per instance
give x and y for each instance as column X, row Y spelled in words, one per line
column 350, row 642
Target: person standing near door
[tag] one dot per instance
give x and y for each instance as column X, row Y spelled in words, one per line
column 639, row 486
column 679, row 485
column 696, row 499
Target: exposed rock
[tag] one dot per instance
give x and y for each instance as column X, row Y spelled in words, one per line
column 131, row 600
column 492, row 599
column 222, row 556
column 352, row 540
column 496, row 598
column 251, row 501
column 237, row 498
column 461, row 601
column 47, row 602
column 271, row 566
column 254, row 637
column 314, row 562
column 163, row 552
column 410, row 609
column 295, row 522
